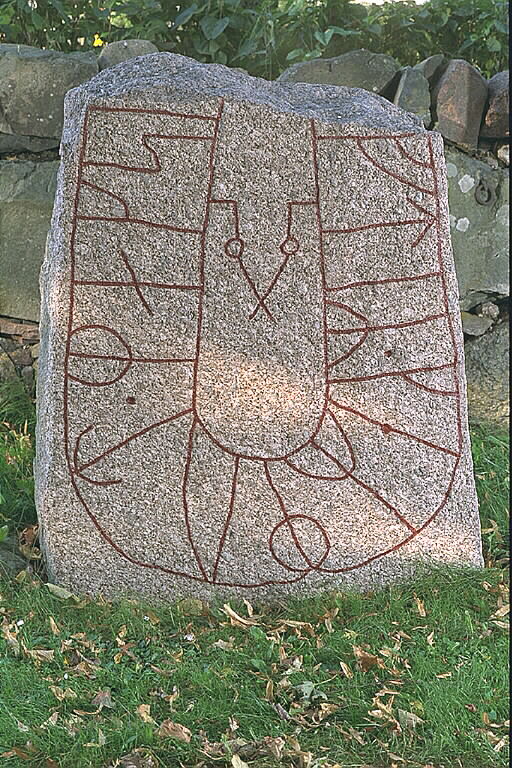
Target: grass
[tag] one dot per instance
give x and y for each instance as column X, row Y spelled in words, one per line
column 410, row 676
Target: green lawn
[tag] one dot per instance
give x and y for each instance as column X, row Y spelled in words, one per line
column 413, row 675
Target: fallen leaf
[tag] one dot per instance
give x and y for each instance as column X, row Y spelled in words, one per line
column 237, row 620
column 53, row 626
column 62, row 693
column 85, row 668
column 162, row 672
column 351, row 733
column 408, row 720
column 101, row 740
column 430, row 638
column 367, row 660
column 9, row 633
column 103, row 699
column 346, row 670
column 501, row 743
column 61, row 592
column 174, row 730
column 52, row 720
column 139, row 758
column 39, row 654
column 192, row 607
column 143, row 712
column 269, row 691
column 225, row 646
column 420, row 606
column 237, row 762
column 281, row 711
column 444, row 674
column 30, row 553
column 27, row 540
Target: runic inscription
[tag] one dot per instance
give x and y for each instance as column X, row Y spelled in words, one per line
column 261, row 374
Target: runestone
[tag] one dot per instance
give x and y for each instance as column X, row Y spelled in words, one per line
column 251, row 374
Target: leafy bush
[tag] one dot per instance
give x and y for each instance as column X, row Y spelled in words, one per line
column 266, row 36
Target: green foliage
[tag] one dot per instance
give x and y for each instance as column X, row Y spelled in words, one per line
column 436, row 649
column 265, row 37
column 17, row 423
column 97, row 679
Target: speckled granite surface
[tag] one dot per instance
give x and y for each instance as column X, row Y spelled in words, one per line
column 251, row 375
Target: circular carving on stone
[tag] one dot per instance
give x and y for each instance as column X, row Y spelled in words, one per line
column 234, row 247
column 290, row 246
column 98, row 356
column 297, row 534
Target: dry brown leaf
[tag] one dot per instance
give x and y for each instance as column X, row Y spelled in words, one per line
column 61, row 592
column 420, row 606
column 23, row 755
column 444, row 674
column 408, row 720
column 269, row 691
column 52, row 720
column 191, row 606
column 9, row 633
column 174, row 730
column 430, row 638
column 237, row 620
column 139, row 758
column 162, row 672
column 502, row 624
column 274, row 746
column 27, row 541
column 101, row 740
column 54, row 626
column 281, row 711
column 346, row 670
column 103, row 699
column 325, row 709
column 225, row 646
column 39, row 654
column 62, row 693
column 501, row 743
column 367, row 660
column 85, row 668
column 237, row 762
column 143, row 711
column 30, row 553
column 351, row 733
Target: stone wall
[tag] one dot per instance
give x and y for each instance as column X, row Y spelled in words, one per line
column 450, row 96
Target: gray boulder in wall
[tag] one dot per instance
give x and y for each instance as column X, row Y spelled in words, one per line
column 479, row 220
column 355, row 69
column 32, row 87
column 27, row 191
column 487, row 375
column 122, row 50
